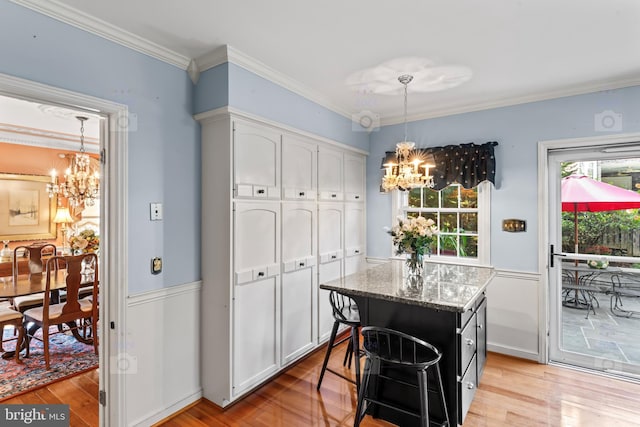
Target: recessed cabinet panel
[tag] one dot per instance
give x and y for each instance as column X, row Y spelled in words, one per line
column 257, row 231
column 298, row 232
column 330, row 174
column 299, row 170
column 354, row 227
column 254, row 333
column 330, row 219
column 327, row 272
column 297, row 313
column 354, row 177
column 256, row 153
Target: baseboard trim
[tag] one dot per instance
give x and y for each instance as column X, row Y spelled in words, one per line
column 511, row 351
column 170, row 411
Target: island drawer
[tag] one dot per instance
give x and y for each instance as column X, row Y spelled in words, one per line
column 467, row 344
column 467, row 390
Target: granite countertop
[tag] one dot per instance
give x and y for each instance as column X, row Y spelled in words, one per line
column 450, row 287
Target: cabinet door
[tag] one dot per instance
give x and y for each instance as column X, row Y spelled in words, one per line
column 354, row 177
column 330, row 174
column 256, row 161
column 299, row 160
column 326, row 272
column 298, row 313
column 254, row 333
column 256, row 252
column 330, row 252
column 298, row 279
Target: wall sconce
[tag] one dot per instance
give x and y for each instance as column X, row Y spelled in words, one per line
column 514, row 225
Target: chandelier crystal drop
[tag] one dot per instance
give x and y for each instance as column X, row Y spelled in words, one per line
column 81, row 180
column 403, row 172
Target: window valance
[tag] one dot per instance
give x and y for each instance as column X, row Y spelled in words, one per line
column 464, row 164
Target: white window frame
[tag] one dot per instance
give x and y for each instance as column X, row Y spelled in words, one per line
column 398, row 209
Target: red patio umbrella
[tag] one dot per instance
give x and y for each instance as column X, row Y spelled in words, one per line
column 583, row 194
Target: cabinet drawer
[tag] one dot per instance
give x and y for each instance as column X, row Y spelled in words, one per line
column 467, row 390
column 467, row 345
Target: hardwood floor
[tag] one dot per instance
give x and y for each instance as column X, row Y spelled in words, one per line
column 80, row 392
column 513, row 392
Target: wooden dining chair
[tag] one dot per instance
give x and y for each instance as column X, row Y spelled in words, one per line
column 9, row 317
column 73, row 309
column 35, row 269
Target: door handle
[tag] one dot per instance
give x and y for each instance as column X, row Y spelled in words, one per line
column 552, row 254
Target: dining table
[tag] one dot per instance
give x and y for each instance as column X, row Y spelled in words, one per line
column 24, row 284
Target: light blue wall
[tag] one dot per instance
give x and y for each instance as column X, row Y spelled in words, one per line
column 164, row 144
column 518, row 130
column 256, row 95
column 212, row 89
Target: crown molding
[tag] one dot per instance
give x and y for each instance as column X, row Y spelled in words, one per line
column 511, row 101
column 91, row 24
column 227, row 53
column 228, row 111
column 15, row 134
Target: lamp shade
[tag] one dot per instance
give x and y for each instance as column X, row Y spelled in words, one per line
column 63, row 216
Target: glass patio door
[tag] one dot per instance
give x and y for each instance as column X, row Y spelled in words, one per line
column 594, row 318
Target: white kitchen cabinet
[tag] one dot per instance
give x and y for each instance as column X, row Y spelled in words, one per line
column 330, row 255
column 257, row 240
column 256, row 161
column 330, row 174
column 267, row 242
column 299, row 279
column 299, row 168
column 255, row 351
column 354, row 177
column 354, row 237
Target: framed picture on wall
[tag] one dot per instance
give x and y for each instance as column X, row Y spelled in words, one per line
column 26, row 211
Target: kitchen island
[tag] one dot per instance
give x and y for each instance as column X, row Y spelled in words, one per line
column 447, row 309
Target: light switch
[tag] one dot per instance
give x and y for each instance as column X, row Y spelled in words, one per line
column 156, row 211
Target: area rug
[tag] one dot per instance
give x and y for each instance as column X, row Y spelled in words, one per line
column 68, row 357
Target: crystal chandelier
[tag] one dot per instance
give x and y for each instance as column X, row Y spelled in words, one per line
column 81, row 181
column 403, row 171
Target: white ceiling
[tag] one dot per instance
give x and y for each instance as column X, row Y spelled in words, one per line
column 518, row 50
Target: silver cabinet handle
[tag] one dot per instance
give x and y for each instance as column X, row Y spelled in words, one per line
column 470, row 385
column 260, row 191
column 333, row 256
column 301, row 193
column 334, row 195
column 480, row 326
column 302, row 264
column 469, row 341
column 261, row 274
column 357, row 197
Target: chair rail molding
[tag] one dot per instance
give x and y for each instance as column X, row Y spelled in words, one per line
column 114, row 230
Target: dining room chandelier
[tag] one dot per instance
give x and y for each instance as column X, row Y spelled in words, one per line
column 81, row 185
column 404, row 171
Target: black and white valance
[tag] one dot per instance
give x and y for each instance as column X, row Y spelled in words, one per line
column 464, row 164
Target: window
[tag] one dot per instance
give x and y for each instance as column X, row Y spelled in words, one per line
column 462, row 217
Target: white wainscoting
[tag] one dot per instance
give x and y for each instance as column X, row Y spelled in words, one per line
column 513, row 314
column 163, row 348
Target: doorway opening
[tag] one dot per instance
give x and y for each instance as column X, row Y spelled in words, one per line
column 113, row 138
column 594, row 255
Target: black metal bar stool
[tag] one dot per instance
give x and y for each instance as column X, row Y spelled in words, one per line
column 388, row 350
column 345, row 311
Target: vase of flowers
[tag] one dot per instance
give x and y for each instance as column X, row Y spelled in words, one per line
column 85, row 241
column 414, row 237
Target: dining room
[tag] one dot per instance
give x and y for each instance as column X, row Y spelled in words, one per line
column 48, row 225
